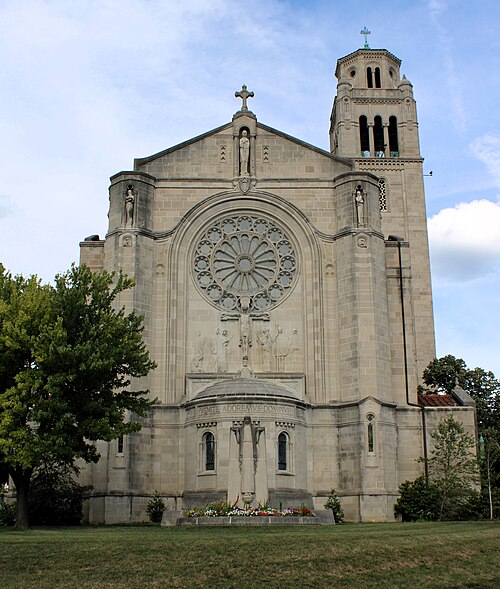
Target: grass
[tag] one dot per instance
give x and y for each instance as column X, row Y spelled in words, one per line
column 423, row 555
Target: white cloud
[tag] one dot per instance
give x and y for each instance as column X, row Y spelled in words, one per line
column 465, row 241
column 437, row 7
column 487, row 149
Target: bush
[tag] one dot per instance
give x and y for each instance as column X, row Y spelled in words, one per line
column 333, row 503
column 155, row 508
column 7, row 514
column 418, row 501
column 421, row 501
column 55, row 498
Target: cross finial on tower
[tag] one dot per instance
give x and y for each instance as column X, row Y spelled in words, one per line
column 365, row 32
column 244, row 95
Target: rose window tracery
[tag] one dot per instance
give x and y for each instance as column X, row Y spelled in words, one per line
column 245, row 256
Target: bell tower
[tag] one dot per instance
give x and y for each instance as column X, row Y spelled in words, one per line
column 374, row 122
column 374, row 113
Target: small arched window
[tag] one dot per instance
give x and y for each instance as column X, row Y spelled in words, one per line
column 209, row 450
column 364, row 137
column 370, row 433
column 120, row 443
column 377, row 78
column 369, row 77
column 393, row 137
column 283, row 451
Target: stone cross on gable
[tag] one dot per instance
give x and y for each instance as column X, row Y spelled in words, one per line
column 365, row 32
column 244, row 95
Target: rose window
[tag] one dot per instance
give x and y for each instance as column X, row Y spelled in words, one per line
column 245, row 256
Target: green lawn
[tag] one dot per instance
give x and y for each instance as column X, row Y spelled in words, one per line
column 357, row 555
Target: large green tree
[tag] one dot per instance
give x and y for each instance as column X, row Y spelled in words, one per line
column 67, row 357
column 442, row 374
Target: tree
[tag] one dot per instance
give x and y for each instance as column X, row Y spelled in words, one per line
column 482, row 385
column 453, row 468
column 484, row 388
column 67, row 357
column 442, row 374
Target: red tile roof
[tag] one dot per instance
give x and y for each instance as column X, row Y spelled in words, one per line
column 436, row 400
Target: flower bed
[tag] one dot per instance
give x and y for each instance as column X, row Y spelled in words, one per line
column 222, row 509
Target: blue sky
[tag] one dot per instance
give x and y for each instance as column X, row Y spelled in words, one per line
column 87, row 86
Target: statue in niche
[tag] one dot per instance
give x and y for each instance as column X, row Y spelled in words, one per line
column 359, row 199
column 129, row 206
column 244, row 153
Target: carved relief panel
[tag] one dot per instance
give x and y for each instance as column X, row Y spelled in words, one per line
column 245, row 266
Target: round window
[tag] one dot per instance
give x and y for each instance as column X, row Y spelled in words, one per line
column 244, row 256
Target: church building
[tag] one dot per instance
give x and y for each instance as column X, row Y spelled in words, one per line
column 286, row 296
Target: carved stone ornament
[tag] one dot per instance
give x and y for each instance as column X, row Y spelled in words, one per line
column 127, row 241
column 245, row 184
column 362, row 241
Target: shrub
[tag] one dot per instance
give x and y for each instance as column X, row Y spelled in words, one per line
column 333, row 503
column 55, row 498
column 418, row 501
column 155, row 508
column 7, row 514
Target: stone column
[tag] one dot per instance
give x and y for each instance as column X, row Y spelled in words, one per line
column 371, row 139
column 385, row 130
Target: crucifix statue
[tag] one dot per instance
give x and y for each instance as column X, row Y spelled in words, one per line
column 245, row 320
column 244, row 95
column 365, row 32
column 247, row 434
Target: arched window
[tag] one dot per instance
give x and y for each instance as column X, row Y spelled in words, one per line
column 120, row 443
column 364, row 137
column 393, row 137
column 369, row 77
column 370, row 434
column 377, row 78
column 283, row 447
column 378, row 137
column 209, row 450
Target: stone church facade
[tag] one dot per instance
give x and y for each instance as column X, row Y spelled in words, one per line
column 287, row 301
